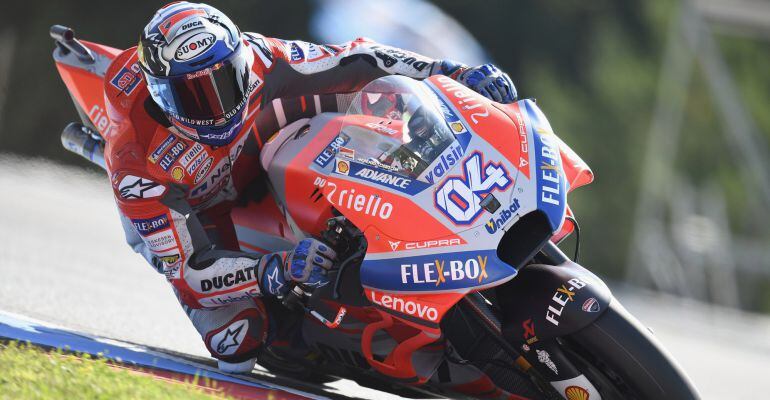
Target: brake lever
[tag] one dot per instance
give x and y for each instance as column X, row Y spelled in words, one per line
column 329, row 324
column 296, row 298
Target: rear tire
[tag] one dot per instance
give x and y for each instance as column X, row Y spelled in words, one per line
column 618, row 350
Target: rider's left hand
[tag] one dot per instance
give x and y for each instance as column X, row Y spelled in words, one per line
column 306, row 264
column 490, row 82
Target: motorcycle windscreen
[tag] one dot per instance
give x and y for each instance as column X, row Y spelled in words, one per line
column 395, row 124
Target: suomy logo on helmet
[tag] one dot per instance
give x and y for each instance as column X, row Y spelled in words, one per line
column 194, row 46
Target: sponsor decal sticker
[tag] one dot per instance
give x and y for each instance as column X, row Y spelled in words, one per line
column 377, row 173
column 435, row 272
column 390, row 56
column 172, row 271
column 296, row 52
column 529, row 331
column 562, row 296
column 218, row 178
column 173, row 19
column 426, row 244
column 171, row 264
column 439, row 271
column 576, row 393
column 381, row 128
column 403, row 306
column 591, row 305
column 172, row 155
column 149, row 225
column 371, row 205
column 203, row 170
column 191, row 167
column 547, row 168
column 170, row 259
column 229, row 279
column 327, row 155
column 459, row 197
column 382, row 177
column 196, row 45
column 549, row 180
column 494, row 224
column 191, row 154
column 153, row 158
column 161, row 241
column 177, row 173
column 342, row 166
column 347, row 153
column 229, row 298
column 445, row 162
column 190, row 25
column 545, row 359
column 100, row 119
column 523, row 146
column 466, row 97
column 128, row 78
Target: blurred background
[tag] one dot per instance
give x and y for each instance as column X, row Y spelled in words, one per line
column 668, row 101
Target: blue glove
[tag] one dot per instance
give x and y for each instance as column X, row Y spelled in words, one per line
column 490, row 81
column 306, row 264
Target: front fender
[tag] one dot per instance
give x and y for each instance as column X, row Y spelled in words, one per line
column 547, row 301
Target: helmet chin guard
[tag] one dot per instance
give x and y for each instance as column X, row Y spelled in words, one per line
column 213, row 135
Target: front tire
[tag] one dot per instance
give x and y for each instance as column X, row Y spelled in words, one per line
column 621, row 351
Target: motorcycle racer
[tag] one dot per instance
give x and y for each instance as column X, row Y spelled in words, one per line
column 190, row 108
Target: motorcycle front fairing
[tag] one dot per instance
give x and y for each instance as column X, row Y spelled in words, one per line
column 434, row 219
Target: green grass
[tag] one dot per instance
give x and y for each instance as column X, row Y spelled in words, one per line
column 27, row 372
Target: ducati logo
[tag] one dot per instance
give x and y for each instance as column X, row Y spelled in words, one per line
column 394, row 245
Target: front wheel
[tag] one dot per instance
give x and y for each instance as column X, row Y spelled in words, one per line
column 623, row 359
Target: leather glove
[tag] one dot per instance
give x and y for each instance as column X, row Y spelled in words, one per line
column 306, row 264
column 490, row 82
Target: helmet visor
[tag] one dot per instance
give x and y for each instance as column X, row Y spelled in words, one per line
column 209, row 97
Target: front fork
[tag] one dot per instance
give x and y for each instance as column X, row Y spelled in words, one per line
column 555, row 368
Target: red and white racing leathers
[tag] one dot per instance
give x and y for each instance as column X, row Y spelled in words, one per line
column 174, row 195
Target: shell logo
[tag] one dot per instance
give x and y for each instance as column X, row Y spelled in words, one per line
column 177, row 173
column 576, row 393
column 343, row 167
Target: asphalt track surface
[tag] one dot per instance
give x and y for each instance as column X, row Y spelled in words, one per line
column 63, row 260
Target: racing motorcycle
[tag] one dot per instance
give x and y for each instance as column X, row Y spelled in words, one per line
column 446, row 210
